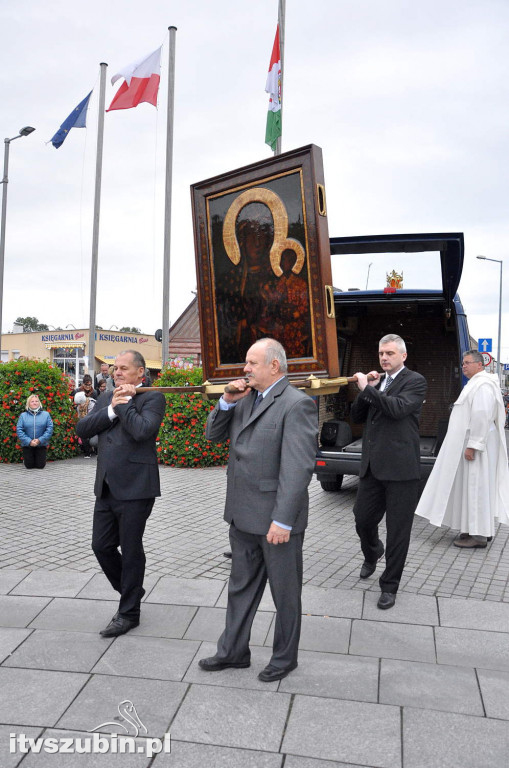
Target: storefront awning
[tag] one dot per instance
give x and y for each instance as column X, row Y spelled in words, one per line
column 66, row 345
column 156, row 365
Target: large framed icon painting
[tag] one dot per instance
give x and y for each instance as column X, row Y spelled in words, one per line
column 263, row 265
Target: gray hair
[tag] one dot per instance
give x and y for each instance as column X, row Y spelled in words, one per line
column 475, row 355
column 274, row 351
column 393, row 338
column 138, row 359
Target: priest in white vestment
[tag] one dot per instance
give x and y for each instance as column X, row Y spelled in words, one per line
column 468, row 489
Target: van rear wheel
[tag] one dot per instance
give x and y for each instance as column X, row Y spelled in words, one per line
column 332, row 485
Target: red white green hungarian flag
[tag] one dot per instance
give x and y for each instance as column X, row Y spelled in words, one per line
column 273, row 87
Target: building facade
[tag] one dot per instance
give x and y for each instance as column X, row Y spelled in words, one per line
column 68, row 349
column 185, row 341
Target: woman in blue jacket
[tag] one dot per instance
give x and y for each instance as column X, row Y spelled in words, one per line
column 34, row 429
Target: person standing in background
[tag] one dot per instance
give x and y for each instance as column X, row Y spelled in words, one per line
column 468, row 488
column 34, row 430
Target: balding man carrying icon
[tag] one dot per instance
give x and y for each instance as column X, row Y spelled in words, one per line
column 272, row 428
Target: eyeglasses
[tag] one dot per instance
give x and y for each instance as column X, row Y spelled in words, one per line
column 469, row 362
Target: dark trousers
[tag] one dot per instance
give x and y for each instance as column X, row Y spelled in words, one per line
column 122, row 523
column 397, row 499
column 253, row 561
column 34, row 457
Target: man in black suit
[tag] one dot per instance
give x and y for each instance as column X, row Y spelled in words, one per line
column 126, row 484
column 272, row 428
column 389, row 476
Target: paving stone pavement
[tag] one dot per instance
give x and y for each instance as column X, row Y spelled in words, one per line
column 46, row 525
column 423, row 685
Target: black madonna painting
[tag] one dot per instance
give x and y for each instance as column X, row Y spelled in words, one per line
column 260, row 267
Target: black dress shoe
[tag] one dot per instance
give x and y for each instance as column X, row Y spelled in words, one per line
column 270, row 673
column 369, row 568
column 386, row 600
column 228, row 555
column 215, row 664
column 119, row 625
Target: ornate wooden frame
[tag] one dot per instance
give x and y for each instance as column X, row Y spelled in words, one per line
column 263, row 265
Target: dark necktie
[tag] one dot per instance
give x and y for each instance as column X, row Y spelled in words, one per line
column 388, row 382
column 258, row 400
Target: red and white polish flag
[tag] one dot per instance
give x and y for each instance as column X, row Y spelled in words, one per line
column 141, row 82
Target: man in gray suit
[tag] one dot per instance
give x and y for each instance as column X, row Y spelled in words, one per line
column 389, row 475
column 126, row 483
column 273, row 436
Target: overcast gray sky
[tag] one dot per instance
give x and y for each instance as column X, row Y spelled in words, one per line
column 409, row 103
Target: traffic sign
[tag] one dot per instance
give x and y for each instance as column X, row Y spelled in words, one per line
column 487, row 359
column 485, row 345
column 506, row 366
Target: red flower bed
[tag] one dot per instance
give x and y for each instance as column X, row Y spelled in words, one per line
column 181, row 441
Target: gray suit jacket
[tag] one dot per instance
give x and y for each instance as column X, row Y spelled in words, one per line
column 126, row 456
column 272, row 457
column 390, row 441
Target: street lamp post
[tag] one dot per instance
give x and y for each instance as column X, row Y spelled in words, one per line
column 5, row 180
column 367, row 278
column 498, row 261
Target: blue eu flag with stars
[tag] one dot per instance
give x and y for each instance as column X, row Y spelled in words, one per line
column 77, row 119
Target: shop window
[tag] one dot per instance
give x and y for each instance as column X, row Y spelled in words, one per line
column 70, row 361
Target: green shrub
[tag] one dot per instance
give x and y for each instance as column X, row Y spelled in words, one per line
column 181, row 441
column 18, row 380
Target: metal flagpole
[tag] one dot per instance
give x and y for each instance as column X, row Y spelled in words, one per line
column 281, row 22
column 97, row 211
column 167, row 205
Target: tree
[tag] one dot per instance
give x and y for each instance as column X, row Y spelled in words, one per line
column 31, row 324
column 126, row 329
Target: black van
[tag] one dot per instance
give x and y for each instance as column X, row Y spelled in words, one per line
column 434, row 327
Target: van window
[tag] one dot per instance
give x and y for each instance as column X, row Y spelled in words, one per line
column 421, row 271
